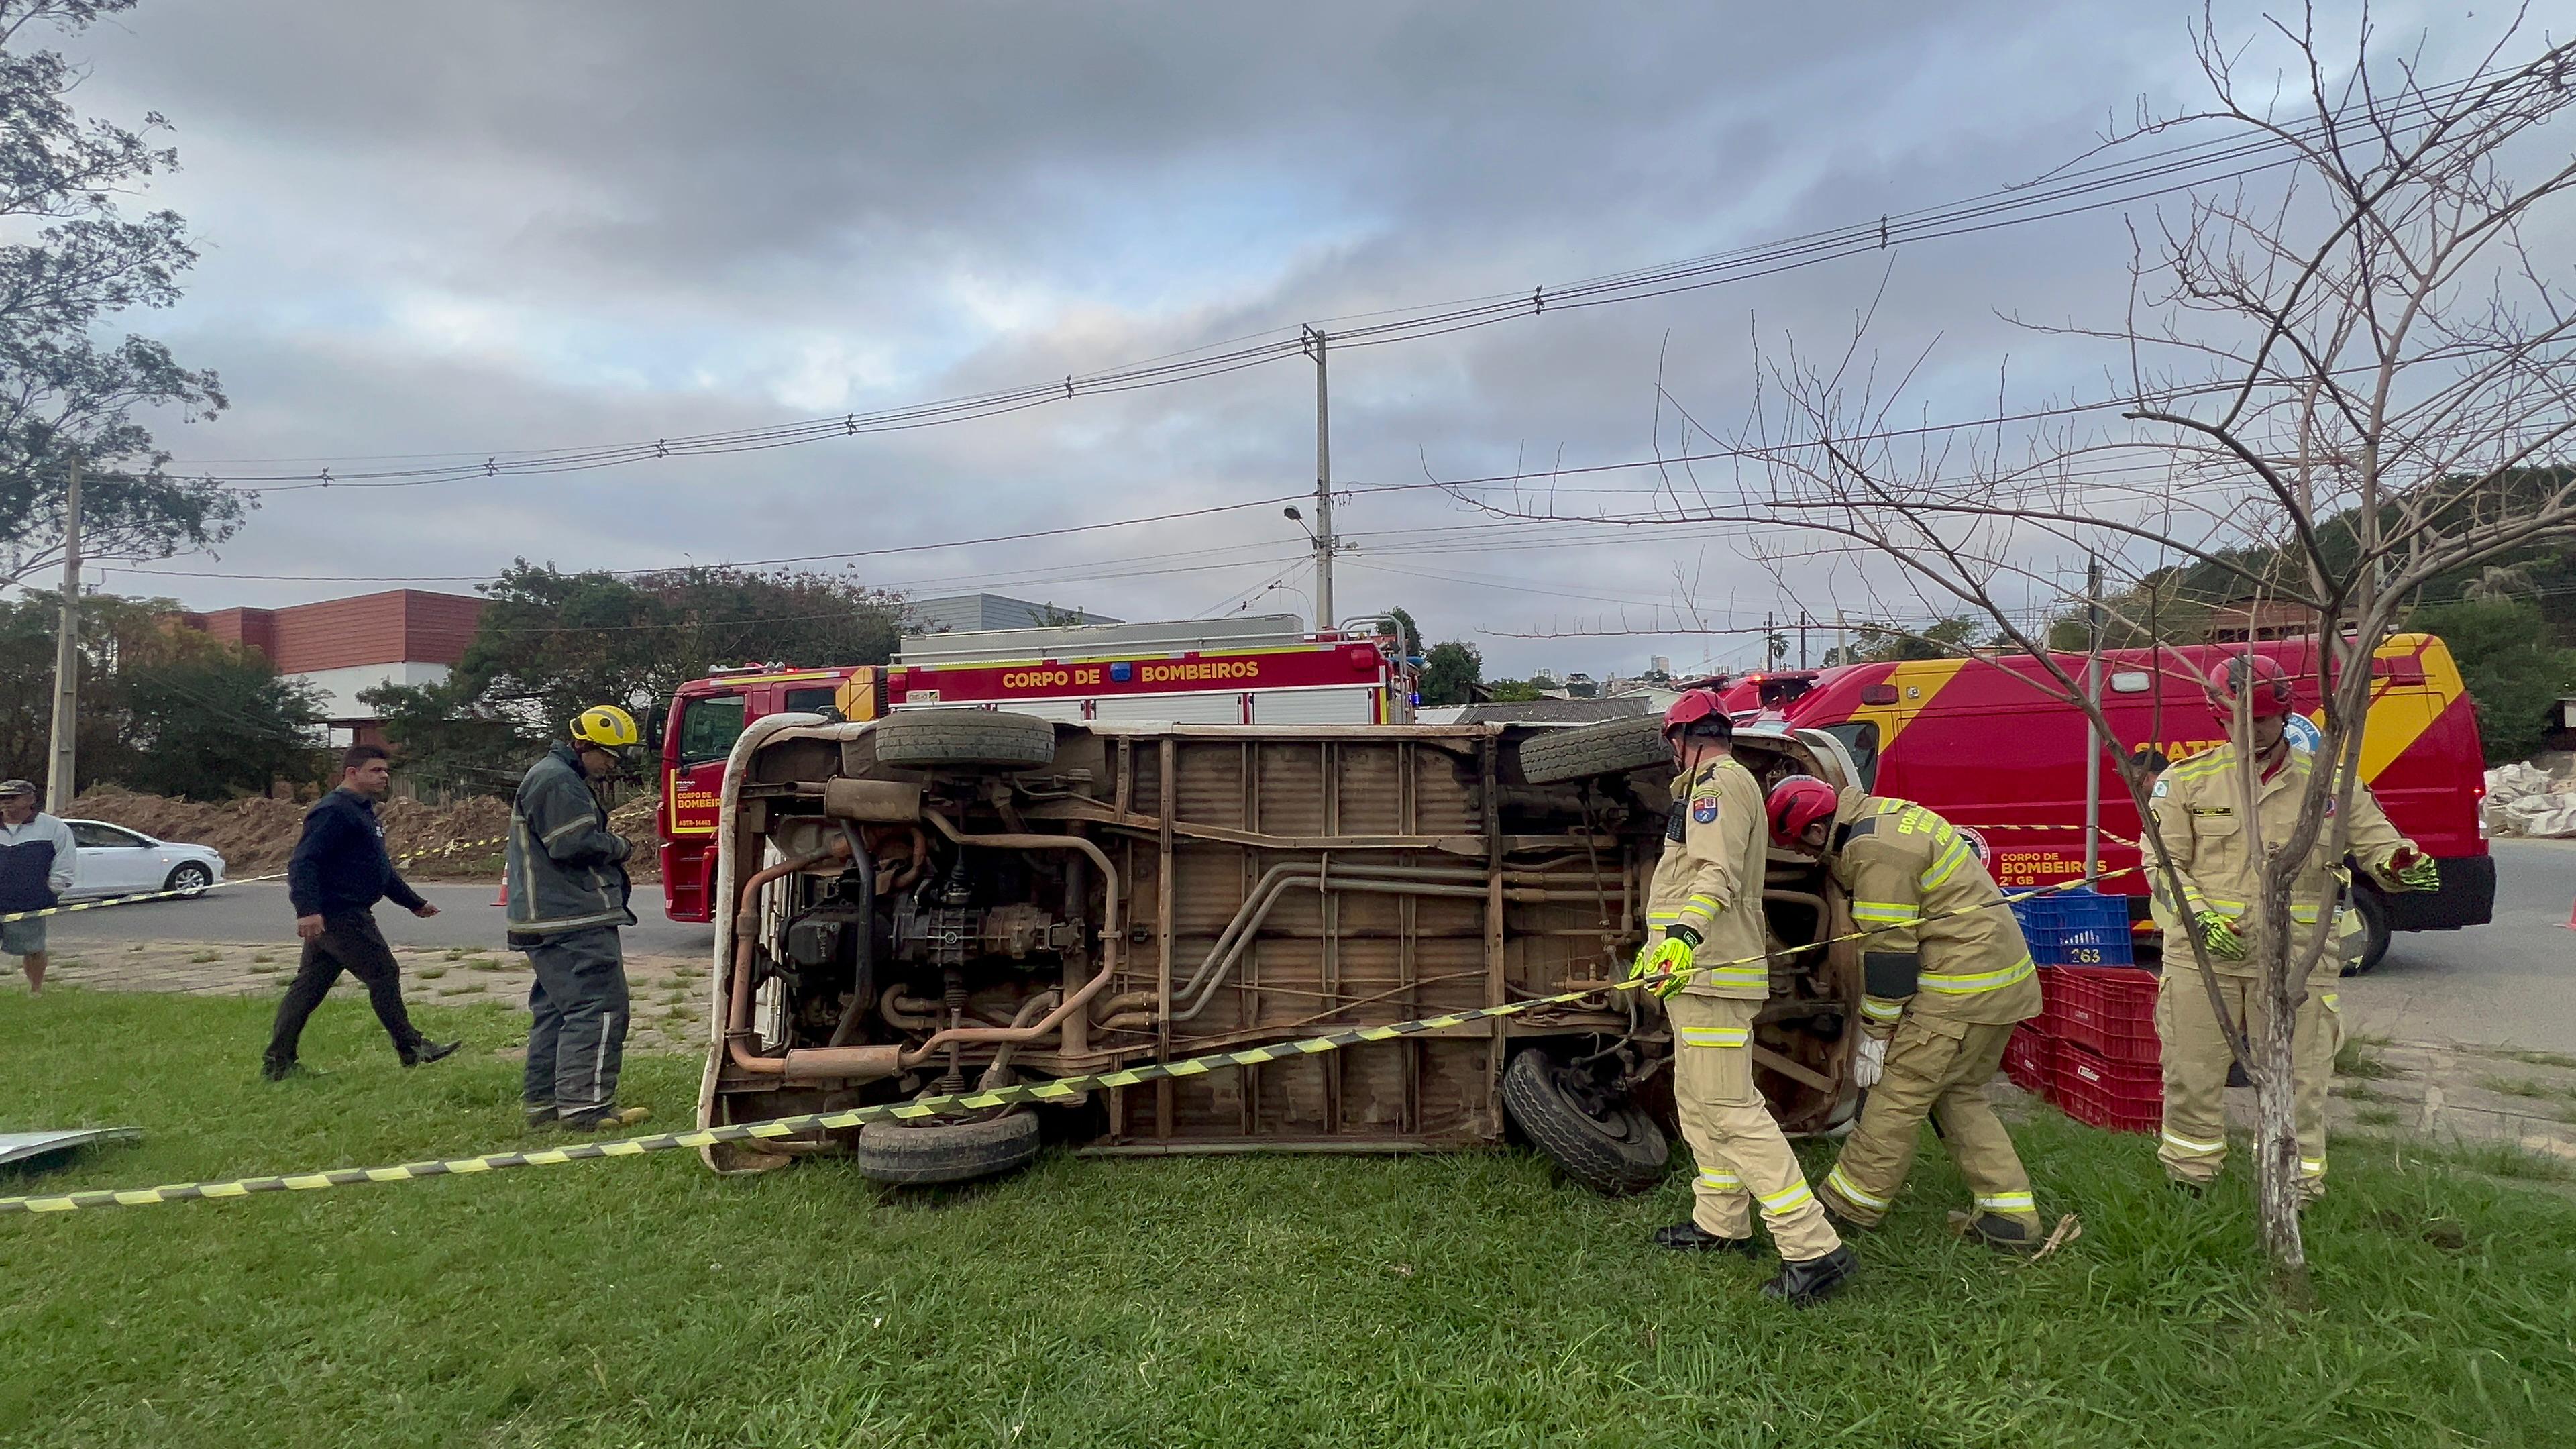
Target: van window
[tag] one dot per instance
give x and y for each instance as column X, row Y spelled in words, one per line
column 1860, row 736
column 814, row 699
column 708, row 728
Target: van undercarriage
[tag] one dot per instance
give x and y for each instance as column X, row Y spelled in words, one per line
column 957, row 899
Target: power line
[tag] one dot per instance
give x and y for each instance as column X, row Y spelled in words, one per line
column 2061, row 194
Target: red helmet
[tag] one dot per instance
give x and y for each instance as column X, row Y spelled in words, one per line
column 1798, row 802
column 2258, row 676
column 1698, row 707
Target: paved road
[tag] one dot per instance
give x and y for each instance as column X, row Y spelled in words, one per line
column 252, row 913
column 2510, row 983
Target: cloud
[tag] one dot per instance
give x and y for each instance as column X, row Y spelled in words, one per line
column 486, row 225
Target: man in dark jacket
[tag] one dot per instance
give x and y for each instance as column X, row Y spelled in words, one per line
column 337, row 874
column 568, row 888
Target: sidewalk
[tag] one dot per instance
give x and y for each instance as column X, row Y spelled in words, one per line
column 669, row 992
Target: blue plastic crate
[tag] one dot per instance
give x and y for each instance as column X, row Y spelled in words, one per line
column 2076, row 928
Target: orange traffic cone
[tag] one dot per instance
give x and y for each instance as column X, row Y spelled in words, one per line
column 503, row 898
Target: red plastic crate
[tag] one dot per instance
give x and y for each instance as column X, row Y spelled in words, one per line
column 2101, row 1092
column 2029, row 1061
column 2111, row 1009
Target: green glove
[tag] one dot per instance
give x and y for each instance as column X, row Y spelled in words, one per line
column 2418, row 874
column 2218, row 933
column 1668, row 959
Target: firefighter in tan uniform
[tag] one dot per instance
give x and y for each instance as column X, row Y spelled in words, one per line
column 1705, row 955
column 2198, row 810
column 1946, row 977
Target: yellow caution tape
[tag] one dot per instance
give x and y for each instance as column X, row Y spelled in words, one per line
column 919, row 1107
column 104, row 903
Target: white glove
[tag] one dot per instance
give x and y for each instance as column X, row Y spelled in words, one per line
column 1871, row 1063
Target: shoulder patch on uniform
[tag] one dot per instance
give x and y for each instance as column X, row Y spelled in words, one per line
column 2163, row 788
column 1703, row 809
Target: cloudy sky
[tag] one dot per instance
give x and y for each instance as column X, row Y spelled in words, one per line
column 471, row 228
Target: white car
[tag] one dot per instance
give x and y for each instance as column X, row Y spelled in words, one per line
column 115, row 861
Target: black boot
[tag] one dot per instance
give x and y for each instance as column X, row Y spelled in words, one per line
column 1807, row 1283
column 1690, row 1237
column 425, row 1052
column 2003, row 1234
column 273, row 1070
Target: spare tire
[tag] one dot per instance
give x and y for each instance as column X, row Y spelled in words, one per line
column 948, row 738
column 919, row 1154
column 1609, row 1145
column 1611, row 748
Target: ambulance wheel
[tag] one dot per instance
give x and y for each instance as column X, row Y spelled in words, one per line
column 1611, row 748
column 949, row 738
column 922, row 1154
column 2367, row 902
column 1606, row 1143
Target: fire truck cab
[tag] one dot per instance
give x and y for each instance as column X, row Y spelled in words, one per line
column 1261, row 669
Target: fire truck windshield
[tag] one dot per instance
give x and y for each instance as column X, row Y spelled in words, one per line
column 710, row 725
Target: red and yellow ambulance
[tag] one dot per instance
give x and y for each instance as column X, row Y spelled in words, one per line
column 1988, row 744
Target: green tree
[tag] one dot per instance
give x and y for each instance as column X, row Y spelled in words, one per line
column 1513, row 691
column 215, row 724
column 110, row 628
column 2514, row 670
column 1451, row 668
column 1407, row 633
column 552, row 643
column 74, row 261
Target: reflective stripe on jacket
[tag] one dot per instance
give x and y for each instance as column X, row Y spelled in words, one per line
column 566, row 867
column 1947, row 931
column 2198, row 807
column 1709, row 879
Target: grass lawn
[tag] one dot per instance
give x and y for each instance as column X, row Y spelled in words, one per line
column 1470, row 1299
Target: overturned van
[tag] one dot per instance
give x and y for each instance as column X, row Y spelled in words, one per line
column 947, row 900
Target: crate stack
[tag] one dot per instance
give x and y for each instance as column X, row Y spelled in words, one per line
column 2093, row 1049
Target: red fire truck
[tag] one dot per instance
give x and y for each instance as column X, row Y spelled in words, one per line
column 1986, row 743
column 1256, row 670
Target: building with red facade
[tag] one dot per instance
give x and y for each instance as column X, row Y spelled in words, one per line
column 344, row 646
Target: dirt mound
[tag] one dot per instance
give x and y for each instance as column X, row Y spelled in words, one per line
column 256, row 835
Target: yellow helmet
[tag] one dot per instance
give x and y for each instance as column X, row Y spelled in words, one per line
column 606, row 726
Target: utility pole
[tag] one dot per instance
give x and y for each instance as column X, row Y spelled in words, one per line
column 58, row 780
column 1842, row 649
column 1325, row 617
column 2093, row 732
column 1803, row 622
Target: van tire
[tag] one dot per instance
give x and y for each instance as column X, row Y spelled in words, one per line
column 1617, row 1151
column 1613, row 747
column 922, row 1154
column 2374, row 929
column 949, row 738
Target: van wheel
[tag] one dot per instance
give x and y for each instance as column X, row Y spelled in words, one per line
column 2374, row 929
column 1606, row 1143
column 948, row 738
column 920, row 1154
column 1612, row 748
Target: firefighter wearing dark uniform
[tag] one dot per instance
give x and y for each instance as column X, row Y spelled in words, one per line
column 2216, row 855
column 1705, row 956
column 1946, row 977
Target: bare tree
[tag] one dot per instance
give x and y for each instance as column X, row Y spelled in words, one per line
column 2338, row 379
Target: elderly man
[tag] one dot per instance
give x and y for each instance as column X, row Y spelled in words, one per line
column 37, row 864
